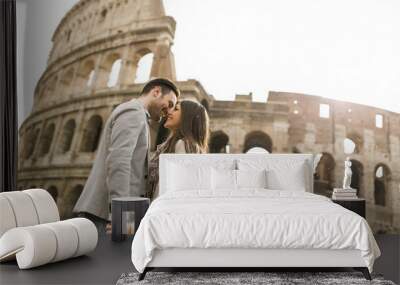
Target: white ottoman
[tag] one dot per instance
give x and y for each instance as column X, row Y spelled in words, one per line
column 31, row 232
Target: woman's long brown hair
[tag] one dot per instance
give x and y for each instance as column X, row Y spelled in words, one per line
column 193, row 129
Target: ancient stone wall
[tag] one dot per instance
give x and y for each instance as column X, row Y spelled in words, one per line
column 375, row 134
column 92, row 68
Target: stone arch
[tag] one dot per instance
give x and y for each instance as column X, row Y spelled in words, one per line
column 357, row 170
column 349, row 146
column 114, row 73
column 382, row 177
column 91, row 134
column 103, row 14
column 66, row 79
column 68, row 35
column 324, row 177
column 70, row 199
column 49, row 87
column 86, row 73
column 40, row 91
column 66, row 84
column 218, row 142
column 53, row 192
column 105, row 70
column 30, row 142
column 46, row 140
column 257, row 139
column 67, row 136
column 325, row 168
column 91, row 78
column 205, row 104
column 352, row 140
column 144, row 66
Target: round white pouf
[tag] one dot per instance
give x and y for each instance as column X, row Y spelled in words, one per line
column 7, row 218
column 67, row 240
column 23, row 208
column 45, row 205
column 87, row 234
column 33, row 246
column 45, row 243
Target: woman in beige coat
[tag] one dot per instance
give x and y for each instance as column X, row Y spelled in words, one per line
column 189, row 127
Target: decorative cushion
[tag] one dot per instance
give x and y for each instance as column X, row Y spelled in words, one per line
column 183, row 178
column 282, row 174
column 251, row 178
column 174, row 166
column 293, row 180
column 223, row 179
column 227, row 179
column 256, row 161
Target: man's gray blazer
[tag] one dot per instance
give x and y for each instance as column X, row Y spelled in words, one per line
column 120, row 165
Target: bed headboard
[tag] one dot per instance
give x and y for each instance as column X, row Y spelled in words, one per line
column 231, row 159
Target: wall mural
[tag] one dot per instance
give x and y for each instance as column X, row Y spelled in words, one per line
column 95, row 64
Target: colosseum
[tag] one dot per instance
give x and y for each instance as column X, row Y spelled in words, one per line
column 98, row 50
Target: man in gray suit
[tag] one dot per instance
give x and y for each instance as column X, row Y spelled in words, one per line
column 120, row 166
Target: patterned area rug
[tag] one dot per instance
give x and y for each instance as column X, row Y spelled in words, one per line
column 229, row 278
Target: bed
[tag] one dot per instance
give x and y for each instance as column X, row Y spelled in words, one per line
column 247, row 210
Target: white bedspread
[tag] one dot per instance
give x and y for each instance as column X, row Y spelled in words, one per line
column 252, row 218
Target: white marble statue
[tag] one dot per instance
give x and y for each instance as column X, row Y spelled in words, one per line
column 347, row 174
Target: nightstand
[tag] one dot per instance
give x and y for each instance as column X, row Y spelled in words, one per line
column 120, row 207
column 355, row 205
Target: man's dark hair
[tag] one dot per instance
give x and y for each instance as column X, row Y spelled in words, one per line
column 165, row 84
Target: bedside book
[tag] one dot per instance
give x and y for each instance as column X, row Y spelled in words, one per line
column 341, row 190
column 336, row 197
column 346, row 194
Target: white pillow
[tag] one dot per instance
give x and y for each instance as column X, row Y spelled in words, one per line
column 293, row 180
column 228, row 179
column 282, row 174
column 188, row 177
column 251, row 178
column 223, row 179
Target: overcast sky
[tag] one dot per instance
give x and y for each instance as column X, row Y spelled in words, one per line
column 341, row 49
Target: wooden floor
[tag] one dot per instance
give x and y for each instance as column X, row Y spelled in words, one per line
column 110, row 260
